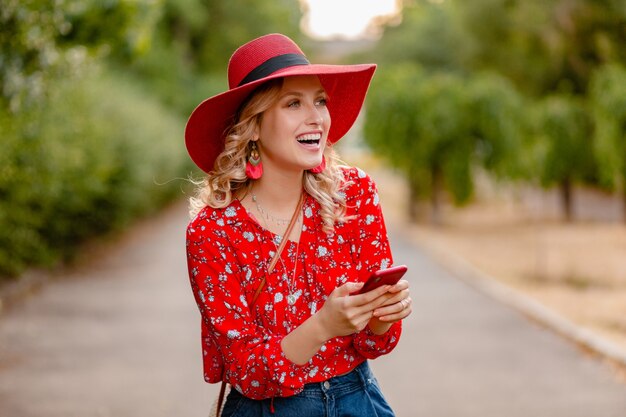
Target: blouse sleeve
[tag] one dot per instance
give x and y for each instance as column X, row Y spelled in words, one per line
column 254, row 362
column 372, row 252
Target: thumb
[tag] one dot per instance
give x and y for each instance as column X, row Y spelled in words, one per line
column 348, row 288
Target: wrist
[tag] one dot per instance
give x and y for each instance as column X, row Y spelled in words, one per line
column 320, row 327
column 378, row 327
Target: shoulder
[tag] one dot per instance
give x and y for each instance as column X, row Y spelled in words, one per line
column 358, row 184
column 215, row 221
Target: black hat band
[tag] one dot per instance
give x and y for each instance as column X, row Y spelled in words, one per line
column 272, row 65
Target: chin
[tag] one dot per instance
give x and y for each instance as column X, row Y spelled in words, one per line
column 314, row 165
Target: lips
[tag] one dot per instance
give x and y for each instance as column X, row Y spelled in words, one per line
column 310, row 138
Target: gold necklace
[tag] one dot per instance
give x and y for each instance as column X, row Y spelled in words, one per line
column 266, row 215
column 293, row 295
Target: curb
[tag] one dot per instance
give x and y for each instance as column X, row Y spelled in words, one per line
column 528, row 306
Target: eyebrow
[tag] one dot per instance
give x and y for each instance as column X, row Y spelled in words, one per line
column 298, row 94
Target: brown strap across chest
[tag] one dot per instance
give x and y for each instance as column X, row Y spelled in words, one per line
column 270, row 268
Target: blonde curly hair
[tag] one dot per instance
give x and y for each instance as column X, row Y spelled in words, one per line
column 228, row 179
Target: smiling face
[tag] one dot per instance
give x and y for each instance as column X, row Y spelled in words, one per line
column 293, row 132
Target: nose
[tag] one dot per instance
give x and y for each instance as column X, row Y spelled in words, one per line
column 315, row 116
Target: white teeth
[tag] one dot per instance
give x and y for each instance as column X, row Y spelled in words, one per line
column 310, row 136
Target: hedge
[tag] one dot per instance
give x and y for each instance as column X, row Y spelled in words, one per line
column 99, row 152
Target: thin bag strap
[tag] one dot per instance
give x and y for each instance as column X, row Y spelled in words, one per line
column 270, row 268
column 282, row 245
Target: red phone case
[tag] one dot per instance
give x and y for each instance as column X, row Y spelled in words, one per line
column 389, row 276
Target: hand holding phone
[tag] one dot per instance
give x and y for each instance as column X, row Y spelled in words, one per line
column 389, row 276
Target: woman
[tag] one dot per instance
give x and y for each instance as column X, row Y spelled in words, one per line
column 282, row 237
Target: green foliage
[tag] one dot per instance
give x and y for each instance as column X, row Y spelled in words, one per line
column 29, row 56
column 83, row 151
column 608, row 97
column 430, row 35
column 209, row 31
column 565, row 56
column 120, row 27
column 544, row 46
column 438, row 127
column 499, row 125
column 194, row 39
column 564, row 130
column 87, row 162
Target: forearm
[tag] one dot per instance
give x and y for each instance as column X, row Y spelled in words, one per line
column 305, row 341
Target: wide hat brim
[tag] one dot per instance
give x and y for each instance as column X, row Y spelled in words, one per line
column 345, row 86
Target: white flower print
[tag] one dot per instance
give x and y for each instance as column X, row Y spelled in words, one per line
column 228, row 257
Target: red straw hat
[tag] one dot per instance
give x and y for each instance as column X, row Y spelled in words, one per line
column 260, row 60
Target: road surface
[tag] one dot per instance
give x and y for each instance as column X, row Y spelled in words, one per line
column 119, row 337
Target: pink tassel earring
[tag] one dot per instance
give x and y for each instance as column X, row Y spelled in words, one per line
column 320, row 167
column 254, row 166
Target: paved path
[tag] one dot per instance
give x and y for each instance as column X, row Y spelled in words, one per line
column 120, row 338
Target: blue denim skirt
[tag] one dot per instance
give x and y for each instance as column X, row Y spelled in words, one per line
column 354, row 394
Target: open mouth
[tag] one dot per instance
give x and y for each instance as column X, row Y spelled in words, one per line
column 310, row 139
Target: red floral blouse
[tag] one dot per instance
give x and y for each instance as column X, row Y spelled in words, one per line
column 228, row 252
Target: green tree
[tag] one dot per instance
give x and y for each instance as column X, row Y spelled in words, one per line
column 194, row 39
column 438, row 127
column 608, row 98
column 29, row 54
column 430, row 35
column 564, row 130
column 544, row 46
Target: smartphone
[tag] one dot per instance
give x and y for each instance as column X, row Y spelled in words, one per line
column 389, row 276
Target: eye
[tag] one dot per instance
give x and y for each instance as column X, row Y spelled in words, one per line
column 293, row 104
column 321, row 102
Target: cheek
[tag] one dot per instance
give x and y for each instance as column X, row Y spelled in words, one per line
column 327, row 119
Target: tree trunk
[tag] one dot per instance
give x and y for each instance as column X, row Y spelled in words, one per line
column 566, row 199
column 435, row 194
column 624, row 203
column 413, row 200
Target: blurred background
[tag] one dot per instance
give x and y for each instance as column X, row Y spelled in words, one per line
column 496, row 129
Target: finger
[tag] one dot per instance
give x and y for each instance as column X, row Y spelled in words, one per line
column 393, row 307
column 402, row 310
column 347, row 289
column 399, row 286
column 368, row 297
column 390, row 298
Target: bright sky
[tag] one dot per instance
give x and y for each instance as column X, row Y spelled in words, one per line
column 345, row 18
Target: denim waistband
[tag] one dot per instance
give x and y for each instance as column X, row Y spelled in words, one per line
column 340, row 385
